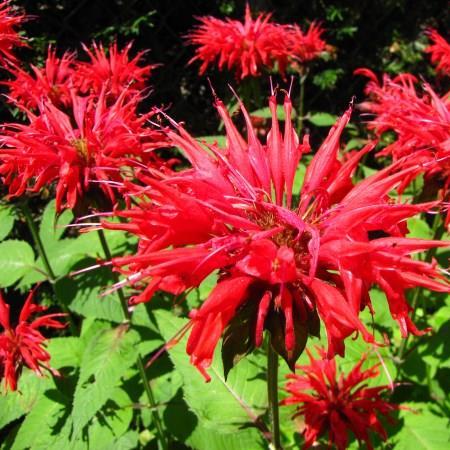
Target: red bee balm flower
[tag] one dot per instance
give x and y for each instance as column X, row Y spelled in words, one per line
column 284, row 258
column 336, row 405
column 23, row 345
column 421, row 122
column 52, row 82
column 247, row 47
column 9, row 36
column 83, row 154
column 440, row 52
column 307, row 46
column 114, row 68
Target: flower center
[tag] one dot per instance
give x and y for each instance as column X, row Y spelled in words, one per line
column 81, row 146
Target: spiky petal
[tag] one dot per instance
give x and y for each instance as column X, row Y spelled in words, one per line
column 335, row 405
column 23, row 344
column 284, row 258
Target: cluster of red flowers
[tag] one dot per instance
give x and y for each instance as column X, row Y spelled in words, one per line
column 254, row 45
column 440, row 52
column 421, row 122
column 9, row 34
column 83, row 126
column 291, row 262
column 333, row 405
column 23, row 344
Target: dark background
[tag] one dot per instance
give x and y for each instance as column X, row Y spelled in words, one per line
column 383, row 35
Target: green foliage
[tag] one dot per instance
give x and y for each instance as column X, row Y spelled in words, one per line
column 16, row 260
column 107, row 357
column 7, row 219
column 221, row 405
column 422, row 430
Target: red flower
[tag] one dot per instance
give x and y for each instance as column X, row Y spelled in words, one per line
column 23, row 345
column 53, row 82
column 9, row 36
column 283, row 261
column 114, row 68
column 247, row 47
column 335, row 405
column 82, row 151
column 440, row 52
column 307, row 46
column 420, row 121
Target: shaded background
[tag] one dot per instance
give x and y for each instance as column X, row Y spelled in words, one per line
column 385, row 35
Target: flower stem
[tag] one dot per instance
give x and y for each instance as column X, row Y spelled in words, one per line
column 272, row 390
column 301, row 104
column 47, row 266
column 160, row 433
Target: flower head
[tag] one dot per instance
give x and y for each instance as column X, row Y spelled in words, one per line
column 114, row 68
column 247, row 47
column 336, row 404
column 81, row 150
column 285, row 258
column 23, row 344
column 421, row 121
column 305, row 46
column 9, row 36
column 52, row 82
column 440, row 52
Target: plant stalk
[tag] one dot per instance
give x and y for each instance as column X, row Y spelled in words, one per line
column 272, row 391
column 47, row 266
column 161, row 436
column 301, row 104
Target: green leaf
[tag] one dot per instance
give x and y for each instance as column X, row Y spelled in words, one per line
column 42, row 425
column 418, row 228
column 423, row 431
column 220, row 405
column 65, row 351
column 322, row 119
column 14, row 405
column 219, row 140
column 52, row 227
column 83, row 295
column 16, row 259
column 108, row 429
column 7, row 218
column 327, row 79
column 203, row 438
column 106, row 359
column 265, row 113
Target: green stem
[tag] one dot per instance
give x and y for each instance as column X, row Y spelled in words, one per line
column 272, row 391
column 161, row 436
column 301, row 104
column 47, row 266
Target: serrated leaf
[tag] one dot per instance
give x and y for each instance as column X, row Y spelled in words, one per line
column 7, row 218
column 42, row 425
column 83, row 295
column 52, row 227
column 221, row 405
column 65, row 351
column 106, row 359
column 423, row 431
column 203, row 438
column 322, row 119
column 14, row 405
column 108, row 429
column 16, row 259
